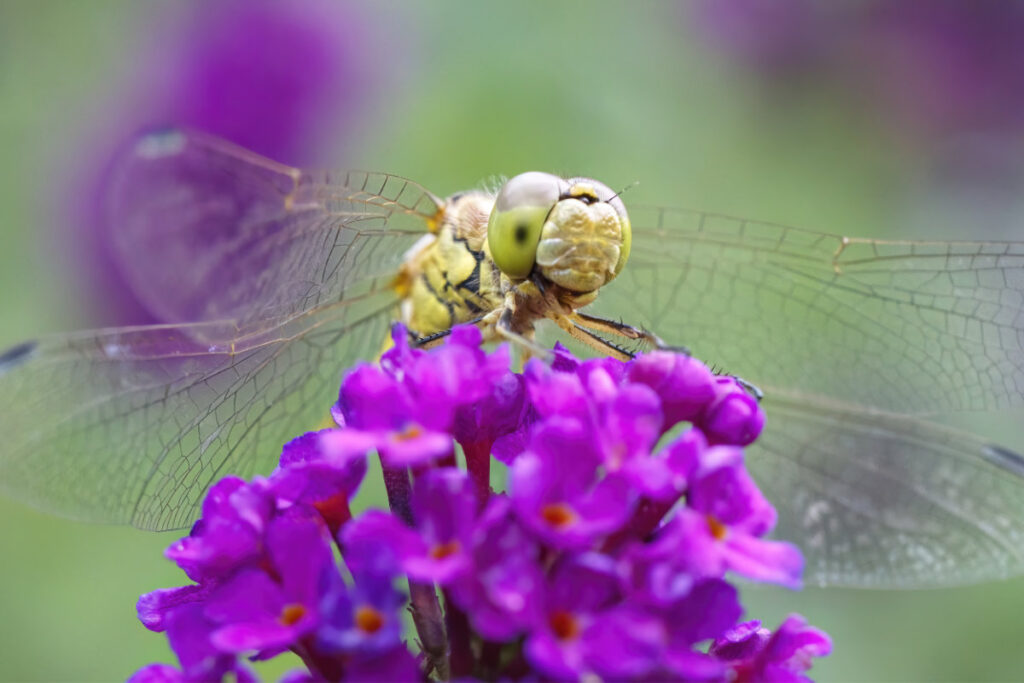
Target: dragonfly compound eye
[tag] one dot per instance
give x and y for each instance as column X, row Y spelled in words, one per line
column 586, row 238
column 516, row 222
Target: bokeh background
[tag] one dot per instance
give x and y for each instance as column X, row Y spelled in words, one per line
column 897, row 118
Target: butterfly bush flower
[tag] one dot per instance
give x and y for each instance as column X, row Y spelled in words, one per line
column 628, row 513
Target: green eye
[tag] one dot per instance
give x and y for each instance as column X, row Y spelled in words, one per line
column 515, row 225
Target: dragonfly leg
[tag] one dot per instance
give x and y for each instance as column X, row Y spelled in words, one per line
column 751, row 388
column 577, row 325
column 621, row 329
column 504, row 327
column 433, row 339
column 593, row 339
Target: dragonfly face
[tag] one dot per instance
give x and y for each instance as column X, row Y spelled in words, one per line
column 541, row 248
column 271, row 280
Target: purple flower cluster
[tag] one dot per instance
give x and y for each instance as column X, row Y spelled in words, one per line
column 627, row 506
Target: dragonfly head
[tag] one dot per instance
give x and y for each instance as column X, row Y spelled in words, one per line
column 574, row 231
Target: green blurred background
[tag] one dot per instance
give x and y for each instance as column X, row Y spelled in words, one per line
column 621, row 92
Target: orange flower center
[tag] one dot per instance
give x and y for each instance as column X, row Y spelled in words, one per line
column 291, row 613
column 564, row 625
column 718, row 530
column 368, row 620
column 334, row 510
column 558, row 515
column 443, row 550
column 409, row 432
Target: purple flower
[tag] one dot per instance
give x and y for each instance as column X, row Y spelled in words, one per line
column 725, row 517
column 709, row 608
column 154, row 608
column 394, row 666
column 625, row 418
column 364, row 619
column 188, row 632
column 930, row 67
column 772, row 35
column 733, row 415
column 499, row 592
column 683, row 383
column 756, row 654
column 499, row 420
column 584, row 628
column 664, row 475
column 381, row 413
column 230, row 532
column 157, row 673
column 558, row 489
column 438, row 548
column 285, row 79
column 458, row 373
column 605, row 559
column 268, row 609
column 408, row 407
column 324, row 477
column 954, row 66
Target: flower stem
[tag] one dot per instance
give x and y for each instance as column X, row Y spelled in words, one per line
column 490, row 660
column 321, row 668
column 459, row 635
column 396, row 481
column 478, row 464
column 423, row 602
column 426, row 616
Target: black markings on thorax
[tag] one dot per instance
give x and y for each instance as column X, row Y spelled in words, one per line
column 443, row 300
column 465, row 292
column 472, row 281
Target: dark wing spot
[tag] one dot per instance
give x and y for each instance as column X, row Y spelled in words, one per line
column 16, row 355
column 522, row 230
column 1005, row 458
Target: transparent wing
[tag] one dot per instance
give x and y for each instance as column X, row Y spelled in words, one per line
column 849, row 338
column 205, row 230
column 875, row 499
column 132, row 425
column 272, row 281
column 906, row 326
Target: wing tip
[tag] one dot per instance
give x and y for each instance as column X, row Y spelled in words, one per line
column 157, row 143
column 16, row 355
column 1003, row 457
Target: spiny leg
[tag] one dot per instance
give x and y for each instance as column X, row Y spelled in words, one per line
column 592, row 339
column 503, row 327
column 431, row 340
column 621, row 329
column 582, row 321
column 751, row 388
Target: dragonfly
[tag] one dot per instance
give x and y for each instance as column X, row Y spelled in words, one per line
column 270, row 280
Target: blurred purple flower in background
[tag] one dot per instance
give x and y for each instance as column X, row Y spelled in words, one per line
column 940, row 84
column 579, row 571
column 289, row 80
column 773, row 35
column 932, row 68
